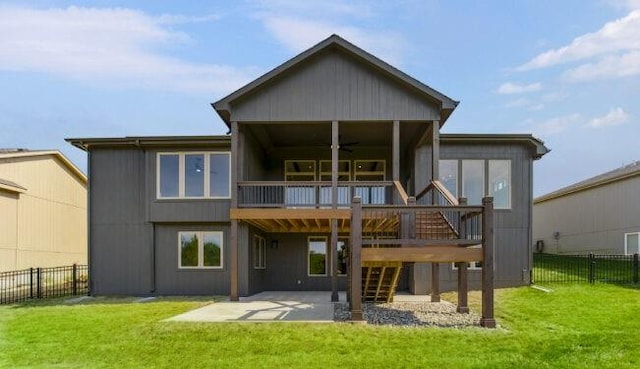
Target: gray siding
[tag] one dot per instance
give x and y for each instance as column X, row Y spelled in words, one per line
column 120, row 238
column 512, row 227
column 593, row 220
column 333, row 86
column 172, row 280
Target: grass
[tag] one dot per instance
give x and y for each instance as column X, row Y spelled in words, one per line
column 579, row 326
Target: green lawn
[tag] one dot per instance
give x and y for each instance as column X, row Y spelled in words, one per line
column 572, row 327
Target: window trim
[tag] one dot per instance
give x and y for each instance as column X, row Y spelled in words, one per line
column 200, row 235
column 346, row 240
column 489, row 187
column 326, row 256
column 259, row 257
column 626, row 250
column 182, row 178
column 472, row 265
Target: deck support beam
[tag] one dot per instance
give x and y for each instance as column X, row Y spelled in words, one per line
column 355, row 261
column 487, row 319
column 333, row 254
column 463, row 288
column 435, row 175
column 234, row 293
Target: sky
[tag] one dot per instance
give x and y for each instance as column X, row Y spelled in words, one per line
column 567, row 71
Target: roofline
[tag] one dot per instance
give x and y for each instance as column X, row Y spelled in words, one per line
column 569, row 190
column 86, row 143
column 537, row 144
column 56, row 153
column 222, row 106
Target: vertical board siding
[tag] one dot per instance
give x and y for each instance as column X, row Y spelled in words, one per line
column 333, row 86
column 120, row 238
column 45, row 225
column 172, row 280
column 593, row 220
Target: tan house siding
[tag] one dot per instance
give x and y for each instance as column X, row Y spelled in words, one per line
column 590, row 220
column 46, row 224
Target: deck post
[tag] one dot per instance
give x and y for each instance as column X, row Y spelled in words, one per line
column 435, row 175
column 333, row 254
column 233, row 244
column 355, row 298
column 487, row 319
column 463, row 286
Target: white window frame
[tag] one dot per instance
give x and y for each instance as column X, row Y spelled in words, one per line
column 181, row 174
column 326, row 256
column 200, row 235
column 626, row 249
column 259, row 252
column 473, row 265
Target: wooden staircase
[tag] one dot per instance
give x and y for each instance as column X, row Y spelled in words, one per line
column 435, row 226
column 379, row 281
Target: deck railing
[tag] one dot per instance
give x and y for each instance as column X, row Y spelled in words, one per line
column 312, row 194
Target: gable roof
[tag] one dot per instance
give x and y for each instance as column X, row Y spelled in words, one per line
column 627, row 171
column 447, row 105
column 24, row 153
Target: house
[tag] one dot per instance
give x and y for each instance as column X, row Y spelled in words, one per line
column 43, row 210
column 599, row 215
column 273, row 206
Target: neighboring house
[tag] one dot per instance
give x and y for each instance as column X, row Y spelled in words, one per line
column 269, row 207
column 43, row 210
column 600, row 215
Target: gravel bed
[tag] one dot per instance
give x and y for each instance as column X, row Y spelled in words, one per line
column 411, row 314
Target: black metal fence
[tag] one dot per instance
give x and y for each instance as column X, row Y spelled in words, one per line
column 591, row 268
column 38, row 283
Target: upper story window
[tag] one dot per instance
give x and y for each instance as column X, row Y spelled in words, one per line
column 474, row 179
column 193, row 175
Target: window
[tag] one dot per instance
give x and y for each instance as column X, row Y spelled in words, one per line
column 259, row 252
column 478, row 178
column 500, row 183
column 194, row 175
column 473, row 181
column 474, row 265
column 343, row 255
column 449, row 176
column 317, row 256
column 632, row 243
column 370, row 170
column 199, row 249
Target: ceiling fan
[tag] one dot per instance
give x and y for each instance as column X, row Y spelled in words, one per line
column 344, row 146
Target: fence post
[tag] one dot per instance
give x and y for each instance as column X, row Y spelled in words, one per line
column 38, row 287
column 74, row 289
column 592, row 268
column 30, row 283
column 635, row 268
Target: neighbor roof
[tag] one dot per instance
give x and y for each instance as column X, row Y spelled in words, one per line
column 25, row 153
column 447, row 105
column 8, row 185
column 627, row 171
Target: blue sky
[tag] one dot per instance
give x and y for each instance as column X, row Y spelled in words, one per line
column 566, row 71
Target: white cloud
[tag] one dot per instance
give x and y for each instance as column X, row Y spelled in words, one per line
column 625, row 4
column 114, row 46
column 618, row 36
column 299, row 25
column 536, row 107
column 518, row 103
column 554, row 125
column 612, row 66
column 514, row 88
column 615, row 117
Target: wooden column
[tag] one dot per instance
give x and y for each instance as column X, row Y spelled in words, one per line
column 395, row 157
column 487, row 319
column 463, row 286
column 233, row 242
column 355, row 261
column 435, row 175
column 333, row 254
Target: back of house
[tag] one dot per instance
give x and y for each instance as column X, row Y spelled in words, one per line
column 267, row 207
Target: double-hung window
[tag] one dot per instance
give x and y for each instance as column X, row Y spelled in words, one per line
column 200, row 249
column 193, row 175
